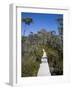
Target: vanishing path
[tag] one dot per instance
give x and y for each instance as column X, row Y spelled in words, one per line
column 44, row 66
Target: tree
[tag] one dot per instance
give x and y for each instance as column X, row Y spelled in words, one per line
column 36, row 39
column 31, row 37
column 27, row 21
column 53, row 32
column 60, row 26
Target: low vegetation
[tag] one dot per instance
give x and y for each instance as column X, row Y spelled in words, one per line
column 33, row 44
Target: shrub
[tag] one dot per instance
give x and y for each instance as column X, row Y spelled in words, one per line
column 30, row 68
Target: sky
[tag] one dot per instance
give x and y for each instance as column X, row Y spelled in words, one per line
column 40, row 21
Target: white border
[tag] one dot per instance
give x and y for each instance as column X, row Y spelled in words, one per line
column 17, row 9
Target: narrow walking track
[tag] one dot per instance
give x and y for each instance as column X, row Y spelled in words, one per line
column 44, row 66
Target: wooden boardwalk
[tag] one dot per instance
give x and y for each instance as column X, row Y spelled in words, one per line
column 44, row 66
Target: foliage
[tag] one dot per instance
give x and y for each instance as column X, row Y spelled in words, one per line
column 33, row 44
column 27, row 20
column 30, row 67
